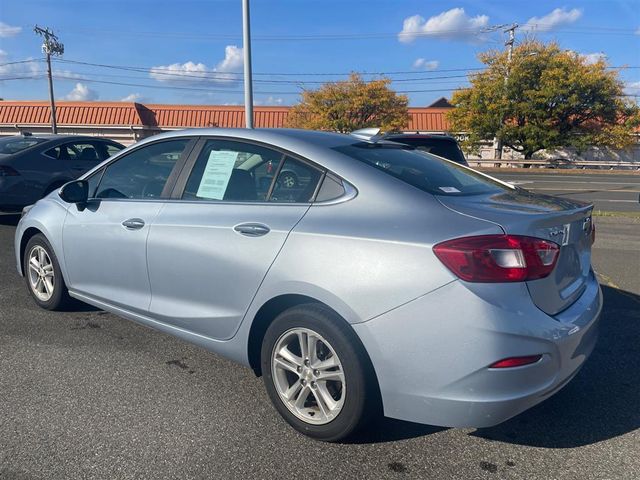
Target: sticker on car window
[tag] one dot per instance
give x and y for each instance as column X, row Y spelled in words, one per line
column 449, row 189
column 216, row 175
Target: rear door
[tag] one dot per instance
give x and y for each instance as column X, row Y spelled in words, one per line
column 210, row 247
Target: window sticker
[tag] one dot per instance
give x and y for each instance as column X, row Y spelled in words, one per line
column 449, row 189
column 216, row 175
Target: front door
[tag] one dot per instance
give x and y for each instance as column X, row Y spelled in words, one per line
column 105, row 242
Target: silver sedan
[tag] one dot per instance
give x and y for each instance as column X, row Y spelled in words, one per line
column 358, row 276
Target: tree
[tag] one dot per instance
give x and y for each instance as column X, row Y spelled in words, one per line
column 351, row 104
column 552, row 98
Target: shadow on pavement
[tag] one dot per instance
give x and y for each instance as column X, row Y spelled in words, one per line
column 391, row 430
column 602, row 401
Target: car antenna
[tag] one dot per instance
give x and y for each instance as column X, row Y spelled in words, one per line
column 369, row 134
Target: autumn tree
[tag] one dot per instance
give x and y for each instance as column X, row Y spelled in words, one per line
column 351, row 104
column 552, row 98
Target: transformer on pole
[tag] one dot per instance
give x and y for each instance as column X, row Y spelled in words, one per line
column 50, row 46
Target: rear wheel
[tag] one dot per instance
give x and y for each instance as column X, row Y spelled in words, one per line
column 43, row 276
column 315, row 373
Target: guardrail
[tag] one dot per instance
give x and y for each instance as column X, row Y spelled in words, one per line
column 569, row 164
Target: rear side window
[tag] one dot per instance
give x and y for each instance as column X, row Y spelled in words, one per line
column 232, row 171
column 242, row 172
column 422, row 170
column 111, row 149
column 330, row 189
column 296, row 183
column 17, row 144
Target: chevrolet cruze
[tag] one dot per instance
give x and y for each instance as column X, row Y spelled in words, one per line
column 383, row 280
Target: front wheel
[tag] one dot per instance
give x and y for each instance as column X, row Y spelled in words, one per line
column 43, row 275
column 316, row 373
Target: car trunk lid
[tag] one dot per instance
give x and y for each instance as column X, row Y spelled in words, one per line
column 565, row 222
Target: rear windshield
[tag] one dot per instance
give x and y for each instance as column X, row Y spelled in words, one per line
column 422, row 170
column 17, row 144
column 438, row 146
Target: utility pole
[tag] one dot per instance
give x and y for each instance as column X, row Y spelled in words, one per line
column 50, row 46
column 248, row 82
column 509, row 44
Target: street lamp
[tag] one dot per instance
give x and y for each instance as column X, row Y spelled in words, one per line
column 248, row 82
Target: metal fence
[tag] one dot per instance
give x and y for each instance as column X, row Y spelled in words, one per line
column 565, row 164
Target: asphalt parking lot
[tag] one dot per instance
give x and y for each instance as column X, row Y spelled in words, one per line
column 85, row 394
column 616, row 191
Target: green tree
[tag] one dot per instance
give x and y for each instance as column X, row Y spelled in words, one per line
column 552, row 98
column 351, row 104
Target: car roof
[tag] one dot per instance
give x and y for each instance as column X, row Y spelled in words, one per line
column 50, row 137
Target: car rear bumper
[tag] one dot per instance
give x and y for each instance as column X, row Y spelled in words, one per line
column 13, row 194
column 432, row 355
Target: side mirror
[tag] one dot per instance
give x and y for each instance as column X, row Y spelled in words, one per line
column 75, row 192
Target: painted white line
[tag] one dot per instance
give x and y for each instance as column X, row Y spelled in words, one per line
column 583, row 190
column 561, row 181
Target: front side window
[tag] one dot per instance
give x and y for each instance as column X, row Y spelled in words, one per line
column 142, row 173
column 422, row 170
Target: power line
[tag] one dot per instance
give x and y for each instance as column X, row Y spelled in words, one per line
column 228, row 75
column 537, row 28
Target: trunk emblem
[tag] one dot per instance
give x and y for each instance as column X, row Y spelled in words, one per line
column 564, row 231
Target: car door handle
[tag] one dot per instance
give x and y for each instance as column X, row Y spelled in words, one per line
column 133, row 224
column 252, row 229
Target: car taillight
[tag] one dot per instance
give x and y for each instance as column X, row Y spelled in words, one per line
column 498, row 258
column 6, row 171
column 593, row 233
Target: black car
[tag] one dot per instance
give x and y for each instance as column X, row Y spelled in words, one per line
column 31, row 166
column 436, row 144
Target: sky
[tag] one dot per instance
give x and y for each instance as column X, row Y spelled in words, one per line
column 190, row 51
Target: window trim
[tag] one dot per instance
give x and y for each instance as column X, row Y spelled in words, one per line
column 189, row 165
column 171, row 179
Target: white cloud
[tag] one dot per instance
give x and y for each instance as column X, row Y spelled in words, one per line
column 453, row 24
column 595, row 57
column 8, row 31
column 422, row 64
column 270, row 101
column 638, row 31
column 81, row 93
column 557, row 18
column 224, row 73
column 132, row 97
column 24, row 68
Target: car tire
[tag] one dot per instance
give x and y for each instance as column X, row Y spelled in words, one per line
column 288, row 180
column 353, row 397
column 43, row 275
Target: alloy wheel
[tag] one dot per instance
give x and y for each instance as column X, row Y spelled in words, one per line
column 41, row 273
column 308, row 376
